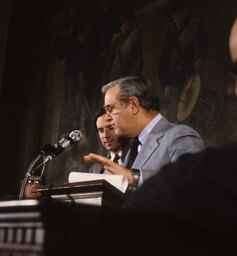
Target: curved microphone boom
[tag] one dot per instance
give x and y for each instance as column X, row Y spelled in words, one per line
column 48, row 152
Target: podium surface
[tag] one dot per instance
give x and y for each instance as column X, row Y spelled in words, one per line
column 96, row 192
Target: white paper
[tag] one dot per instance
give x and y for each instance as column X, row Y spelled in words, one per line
column 118, row 181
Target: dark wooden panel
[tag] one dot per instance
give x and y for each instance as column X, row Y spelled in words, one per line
column 32, row 227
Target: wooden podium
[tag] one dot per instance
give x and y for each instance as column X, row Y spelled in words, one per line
column 67, row 220
column 56, row 228
column 46, row 227
column 72, row 226
column 96, row 192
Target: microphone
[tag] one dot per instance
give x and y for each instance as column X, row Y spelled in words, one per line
column 68, row 140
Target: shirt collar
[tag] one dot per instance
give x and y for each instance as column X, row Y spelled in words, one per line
column 148, row 128
column 112, row 155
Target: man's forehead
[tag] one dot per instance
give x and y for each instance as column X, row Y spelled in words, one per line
column 110, row 95
column 105, row 119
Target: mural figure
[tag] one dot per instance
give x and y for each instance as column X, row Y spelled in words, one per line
column 126, row 56
column 185, row 44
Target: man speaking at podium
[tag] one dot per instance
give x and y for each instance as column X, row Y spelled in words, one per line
column 133, row 105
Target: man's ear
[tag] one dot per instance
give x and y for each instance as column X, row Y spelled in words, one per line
column 134, row 105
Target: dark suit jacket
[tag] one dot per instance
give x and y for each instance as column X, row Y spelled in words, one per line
column 198, row 188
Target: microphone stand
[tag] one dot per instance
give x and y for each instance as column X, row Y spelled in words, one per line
column 48, row 152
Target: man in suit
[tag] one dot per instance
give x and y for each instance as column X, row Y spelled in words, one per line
column 133, row 104
column 116, row 146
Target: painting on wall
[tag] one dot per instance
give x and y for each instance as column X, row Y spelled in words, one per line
column 116, row 42
column 97, row 50
column 111, row 45
column 183, row 44
column 183, row 53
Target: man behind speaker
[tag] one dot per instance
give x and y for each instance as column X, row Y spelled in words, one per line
column 117, row 146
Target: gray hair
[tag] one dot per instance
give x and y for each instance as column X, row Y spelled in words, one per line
column 141, row 88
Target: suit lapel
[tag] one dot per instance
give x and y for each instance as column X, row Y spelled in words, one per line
column 152, row 143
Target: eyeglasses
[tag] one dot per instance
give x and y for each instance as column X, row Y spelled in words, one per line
column 34, row 182
column 109, row 108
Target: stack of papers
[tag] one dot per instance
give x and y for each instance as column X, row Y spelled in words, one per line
column 118, row 181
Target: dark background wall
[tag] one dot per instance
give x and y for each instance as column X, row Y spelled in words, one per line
column 56, row 55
